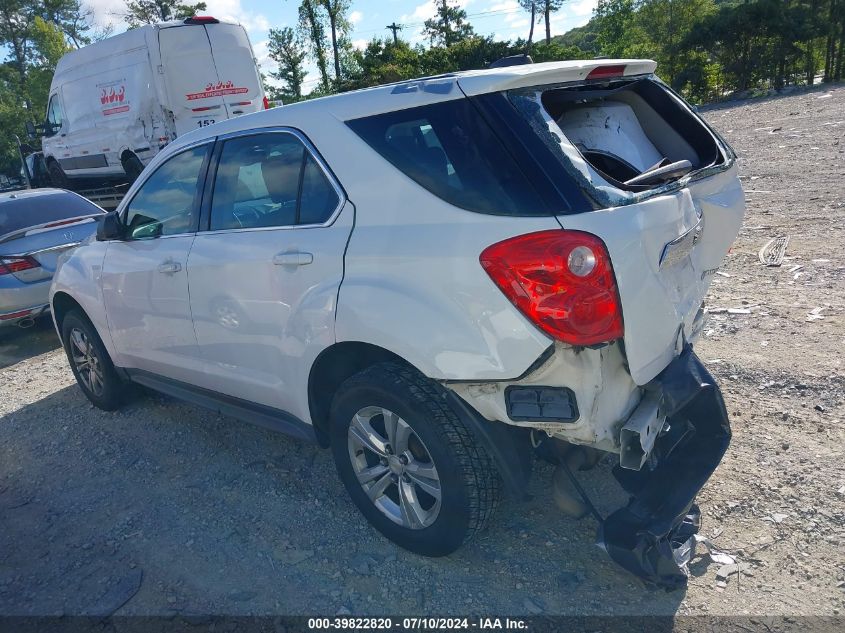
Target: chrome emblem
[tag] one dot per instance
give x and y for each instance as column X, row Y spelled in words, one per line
column 680, row 247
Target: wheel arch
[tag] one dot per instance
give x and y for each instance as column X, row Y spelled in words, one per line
column 331, row 368
column 61, row 304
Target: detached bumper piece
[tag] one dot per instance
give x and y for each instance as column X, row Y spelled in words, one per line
column 653, row 536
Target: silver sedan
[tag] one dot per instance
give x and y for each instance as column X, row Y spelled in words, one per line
column 36, row 226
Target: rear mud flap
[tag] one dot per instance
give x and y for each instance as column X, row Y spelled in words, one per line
column 653, row 536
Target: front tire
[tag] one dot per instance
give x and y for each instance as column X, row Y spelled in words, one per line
column 90, row 363
column 412, row 467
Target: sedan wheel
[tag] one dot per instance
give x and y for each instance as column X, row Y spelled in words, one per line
column 394, row 467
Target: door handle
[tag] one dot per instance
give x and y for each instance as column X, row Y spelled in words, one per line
column 168, row 268
column 293, row 259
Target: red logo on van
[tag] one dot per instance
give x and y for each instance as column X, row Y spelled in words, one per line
column 113, row 98
column 219, row 89
column 110, row 96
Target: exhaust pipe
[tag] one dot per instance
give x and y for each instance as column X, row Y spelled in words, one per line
column 26, row 322
column 639, row 433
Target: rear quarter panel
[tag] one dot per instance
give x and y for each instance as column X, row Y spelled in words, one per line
column 413, row 283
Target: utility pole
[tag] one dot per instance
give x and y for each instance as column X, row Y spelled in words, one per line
column 395, row 28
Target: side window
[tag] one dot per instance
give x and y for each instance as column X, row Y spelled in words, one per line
column 166, row 204
column 452, row 151
column 269, row 180
column 319, row 199
column 54, row 114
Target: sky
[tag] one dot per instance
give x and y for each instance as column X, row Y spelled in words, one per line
column 503, row 19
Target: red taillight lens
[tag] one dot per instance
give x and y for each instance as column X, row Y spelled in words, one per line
column 562, row 281
column 607, row 72
column 9, row 265
column 266, row 103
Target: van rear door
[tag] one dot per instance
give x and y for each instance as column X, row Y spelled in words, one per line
column 236, row 68
column 194, row 88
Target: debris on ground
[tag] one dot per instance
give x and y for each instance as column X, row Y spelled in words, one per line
column 773, row 251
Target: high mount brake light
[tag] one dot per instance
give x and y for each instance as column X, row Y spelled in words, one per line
column 201, row 19
column 9, row 265
column 607, row 72
column 562, row 281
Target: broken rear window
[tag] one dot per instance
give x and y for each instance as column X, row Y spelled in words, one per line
column 622, row 140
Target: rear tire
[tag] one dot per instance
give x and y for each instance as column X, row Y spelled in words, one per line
column 90, row 362
column 427, row 484
column 133, row 167
column 57, row 175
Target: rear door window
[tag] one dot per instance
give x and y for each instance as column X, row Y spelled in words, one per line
column 268, row 180
column 452, row 152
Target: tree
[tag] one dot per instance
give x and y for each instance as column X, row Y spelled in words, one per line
column 449, row 25
column 140, row 12
column 531, row 7
column 286, row 49
column 615, row 19
column 336, row 11
column 34, row 34
column 313, row 31
column 549, row 7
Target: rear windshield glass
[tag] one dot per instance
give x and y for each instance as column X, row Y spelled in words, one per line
column 23, row 210
column 451, row 151
column 621, row 140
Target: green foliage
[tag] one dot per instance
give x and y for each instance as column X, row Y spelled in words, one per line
column 449, row 25
column 140, row 12
column 34, row 34
column 286, row 49
column 709, row 49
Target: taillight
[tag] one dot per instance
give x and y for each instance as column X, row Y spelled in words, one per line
column 266, row 103
column 9, row 265
column 562, row 281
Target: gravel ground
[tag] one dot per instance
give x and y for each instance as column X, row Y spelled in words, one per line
column 163, row 508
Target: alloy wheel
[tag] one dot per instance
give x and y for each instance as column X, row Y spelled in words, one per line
column 394, row 468
column 86, row 361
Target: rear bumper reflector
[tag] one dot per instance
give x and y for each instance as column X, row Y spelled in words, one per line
column 547, row 404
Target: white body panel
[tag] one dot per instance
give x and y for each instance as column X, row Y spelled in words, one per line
column 400, row 270
column 261, row 324
column 129, row 94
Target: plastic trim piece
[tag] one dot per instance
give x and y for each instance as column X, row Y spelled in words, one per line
column 260, row 415
column 653, row 536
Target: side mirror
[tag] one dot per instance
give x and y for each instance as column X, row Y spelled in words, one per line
column 30, row 130
column 110, row 228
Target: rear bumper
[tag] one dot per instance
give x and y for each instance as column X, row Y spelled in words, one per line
column 15, row 317
column 653, row 536
column 18, row 297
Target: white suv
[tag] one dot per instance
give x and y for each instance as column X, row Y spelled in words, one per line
column 437, row 279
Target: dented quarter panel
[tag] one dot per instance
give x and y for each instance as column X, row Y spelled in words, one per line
column 660, row 303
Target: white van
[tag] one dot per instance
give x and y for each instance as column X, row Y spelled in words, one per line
column 114, row 104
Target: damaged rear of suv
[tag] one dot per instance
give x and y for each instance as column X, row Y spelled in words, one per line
column 647, row 203
column 439, row 279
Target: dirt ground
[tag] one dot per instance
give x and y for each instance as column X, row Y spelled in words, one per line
column 163, row 508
